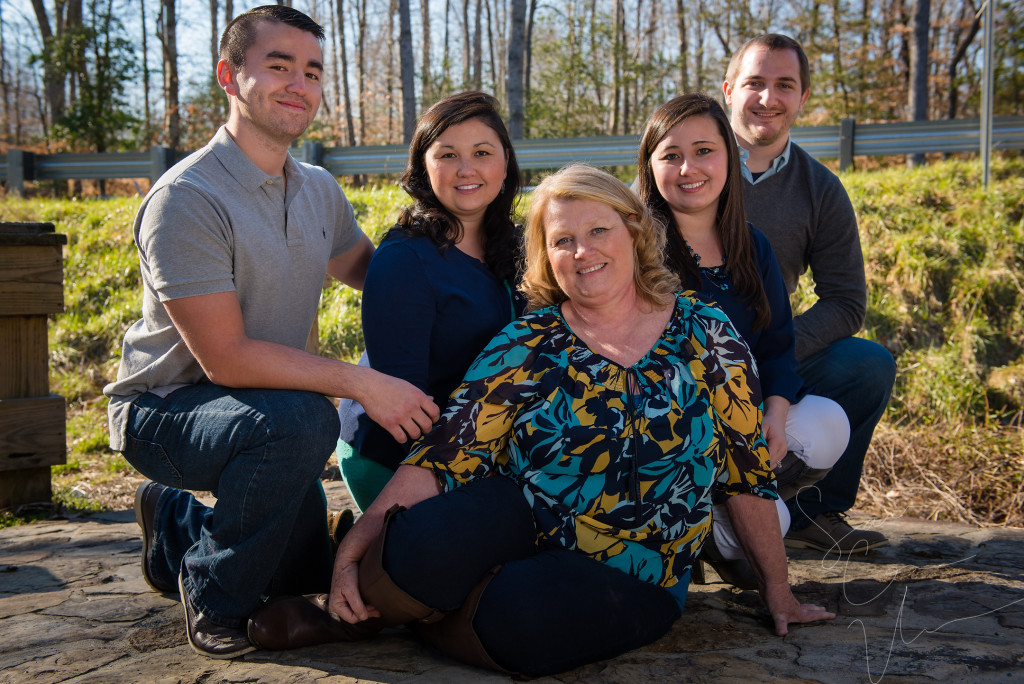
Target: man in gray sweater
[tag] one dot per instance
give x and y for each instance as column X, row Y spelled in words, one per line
column 804, row 210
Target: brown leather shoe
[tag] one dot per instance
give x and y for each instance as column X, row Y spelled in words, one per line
column 296, row 621
column 209, row 639
column 146, row 497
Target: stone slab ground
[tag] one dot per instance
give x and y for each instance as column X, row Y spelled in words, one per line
column 943, row 603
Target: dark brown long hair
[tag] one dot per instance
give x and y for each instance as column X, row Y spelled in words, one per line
column 427, row 216
column 730, row 220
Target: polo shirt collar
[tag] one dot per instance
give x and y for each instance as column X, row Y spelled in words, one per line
column 244, row 171
column 777, row 164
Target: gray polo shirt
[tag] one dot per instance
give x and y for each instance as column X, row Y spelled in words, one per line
column 216, row 223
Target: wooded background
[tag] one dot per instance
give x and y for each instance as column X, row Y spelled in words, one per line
column 109, row 75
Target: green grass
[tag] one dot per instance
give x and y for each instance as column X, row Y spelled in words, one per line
column 945, row 262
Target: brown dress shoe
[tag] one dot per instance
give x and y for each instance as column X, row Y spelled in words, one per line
column 296, row 621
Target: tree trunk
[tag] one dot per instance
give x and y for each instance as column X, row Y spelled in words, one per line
column 426, row 92
column 917, row 97
column 214, row 37
column 684, row 51
column 389, row 86
column 5, row 82
column 54, row 76
column 961, row 45
column 466, row 56
column 528, row 59
column 361, row 69
column 408, row 71
column 345, row 92
column 617, row 49
column 147, row 123
column 477, row 50
column 166, row 25
column 490, row 43
column 514, row 82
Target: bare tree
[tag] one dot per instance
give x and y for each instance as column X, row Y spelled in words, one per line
column 426, row 94
column 466, row 57
column 389, row 87
column 147, row 123
column 477, row 50
column 166, row 24
column 528, row 59
column 345, row 92
column 917, row 97
column 5, row 80
column 361, row 68
column 55, row 64
column 684, row 51
column 618, row 50
column 968, row 13
column 214, row 36
column 408, row 71
column 514, row 85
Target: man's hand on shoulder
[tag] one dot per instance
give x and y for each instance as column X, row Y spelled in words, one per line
column 398, row 406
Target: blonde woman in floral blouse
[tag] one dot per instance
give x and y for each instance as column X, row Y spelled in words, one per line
column 556, row 509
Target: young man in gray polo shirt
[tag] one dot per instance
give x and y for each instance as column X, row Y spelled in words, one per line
column 215, row 391
column 804, row 210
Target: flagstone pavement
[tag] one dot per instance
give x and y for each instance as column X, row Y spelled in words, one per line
column 942, row 603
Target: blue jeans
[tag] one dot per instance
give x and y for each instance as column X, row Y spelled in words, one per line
column 261, row 453
column 858, row 375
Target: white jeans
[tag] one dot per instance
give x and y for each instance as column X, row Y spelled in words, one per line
column 817, row 432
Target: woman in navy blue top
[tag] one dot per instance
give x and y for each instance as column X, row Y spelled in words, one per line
column 689, row 175
column 442, row 281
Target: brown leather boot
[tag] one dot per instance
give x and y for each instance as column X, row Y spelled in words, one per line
column 378, row 590
column 454, row 635
column 296, row 621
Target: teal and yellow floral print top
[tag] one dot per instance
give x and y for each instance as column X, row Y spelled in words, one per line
column 625, row 478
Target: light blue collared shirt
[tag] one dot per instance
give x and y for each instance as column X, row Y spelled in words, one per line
column 777, row 164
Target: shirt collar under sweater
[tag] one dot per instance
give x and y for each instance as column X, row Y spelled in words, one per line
column 777, row 164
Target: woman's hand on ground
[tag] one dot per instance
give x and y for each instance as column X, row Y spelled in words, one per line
column 786, row 610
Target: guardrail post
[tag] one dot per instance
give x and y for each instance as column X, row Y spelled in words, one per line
column 160, row 160
column 846, row 127
column 312, row 153
column 20, row 168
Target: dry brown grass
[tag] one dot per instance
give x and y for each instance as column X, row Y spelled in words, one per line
column 967, row 475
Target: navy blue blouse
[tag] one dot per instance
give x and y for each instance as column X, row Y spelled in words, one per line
column 774, row 347
column 426, row 317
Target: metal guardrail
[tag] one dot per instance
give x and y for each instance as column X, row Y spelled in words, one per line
column 845, row 141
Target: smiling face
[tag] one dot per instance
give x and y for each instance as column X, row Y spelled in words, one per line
column 590, row 250
column 690, row 167
column 466, row 166
column 766, row 97
column 276, row 93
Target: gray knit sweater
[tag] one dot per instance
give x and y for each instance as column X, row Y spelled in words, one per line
column 806, row 214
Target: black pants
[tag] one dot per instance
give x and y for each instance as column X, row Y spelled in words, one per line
column 546, row 611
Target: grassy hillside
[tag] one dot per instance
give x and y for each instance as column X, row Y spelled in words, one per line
column 944, row 256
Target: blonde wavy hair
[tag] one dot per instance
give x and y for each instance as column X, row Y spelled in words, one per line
column 654, row 282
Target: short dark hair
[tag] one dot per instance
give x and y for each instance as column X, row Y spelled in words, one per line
column 428, row 216
column 773, row 42
column 730, row 219
column 240, row 33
